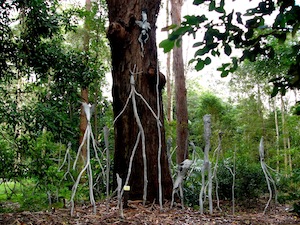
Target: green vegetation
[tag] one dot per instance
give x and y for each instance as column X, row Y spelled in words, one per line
column 44, row 68
column 242, row 124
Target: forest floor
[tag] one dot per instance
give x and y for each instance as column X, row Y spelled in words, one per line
column 136, row 213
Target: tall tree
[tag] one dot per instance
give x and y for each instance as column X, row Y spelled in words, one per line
column 84, row 89
column 52, row 70
column 133, row 46
column 258, row 74
column 180, row 90
column 169, row 74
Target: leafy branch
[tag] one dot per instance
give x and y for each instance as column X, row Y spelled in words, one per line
column 233, row 31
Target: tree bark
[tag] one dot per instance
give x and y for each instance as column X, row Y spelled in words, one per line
column 123, row 34
column 180, row 90
column 277, row 135
column 284, row 136
column 169, row 74
column 83, row 121
column 84, row 90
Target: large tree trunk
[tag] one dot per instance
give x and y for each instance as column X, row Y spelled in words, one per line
column 123, row 34
column 180, row 90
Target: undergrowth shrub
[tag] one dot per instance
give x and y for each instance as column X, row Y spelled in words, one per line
column 7, row 161
column 288, row 187
column 192, row 185
column 250, row 183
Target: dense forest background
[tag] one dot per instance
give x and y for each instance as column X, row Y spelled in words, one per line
column 46, row 67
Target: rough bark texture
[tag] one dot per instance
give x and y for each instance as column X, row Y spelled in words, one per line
column 123, row 33
column 180, row 90
column 84, row 90
column 83, row 121
column 169, row 74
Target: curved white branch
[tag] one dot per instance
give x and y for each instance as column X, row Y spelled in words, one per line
column 127, row 101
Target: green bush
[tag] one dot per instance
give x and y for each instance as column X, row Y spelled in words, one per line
column 43, row 171
column 288, row 187
column 7, row 161
column 250, row 182
column 192, row 185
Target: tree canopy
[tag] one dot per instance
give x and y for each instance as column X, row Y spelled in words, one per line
column 247, row 32
column 42, row 68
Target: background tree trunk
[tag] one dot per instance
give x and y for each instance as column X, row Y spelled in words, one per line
column 169, row 74
column 123, row 34
column 284, row 135
column 277, row 134
column 180, row 90
column 84, row 90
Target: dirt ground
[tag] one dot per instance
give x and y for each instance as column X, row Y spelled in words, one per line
column 136, row 213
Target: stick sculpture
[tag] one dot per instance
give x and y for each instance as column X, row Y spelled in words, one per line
column 158, row 124
column 88, row 136
column 145, row 27
column 120, row 193
column 233, row 173
column 214, row 176
column 67, row 159
column 206, row 166
column 141, row 135
column 181, row 174
column 106, row 134
column 182, row 171
column 267, row 174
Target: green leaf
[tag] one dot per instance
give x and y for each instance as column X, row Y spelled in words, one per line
column 281, row 37
column 223, row 69
column 266, row 7
column 178, row 42
column 274, row 91
column 235, row 64
column 192, row 60
column 249, row 34
column 194, row 20
column 220, row 10
column 255, row 22
column 167, row 45
column 173, row 36
column 212, row 5
column 295, row 29
column 207, row 61
column 279, row 21
column 229, row 17
column 200, row 65
column 222, row 3
column 197, row 44
column 227, row 49
column 224, row 73
column 198, row 2
column 239, row 18
column 212, row 46
column 171, row 27
column 182, row 30
column 283, row 91
column 215, row 53
column 201, row 51
column 224, row 66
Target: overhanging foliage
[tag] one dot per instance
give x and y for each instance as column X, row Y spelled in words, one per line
column 247, row 32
